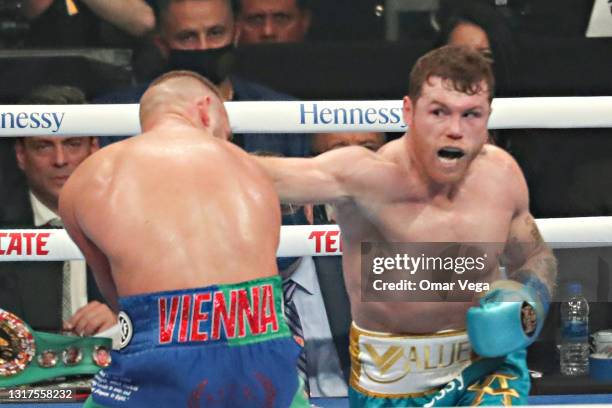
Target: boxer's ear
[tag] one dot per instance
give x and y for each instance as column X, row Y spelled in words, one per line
column 407, row 111
column 203, row 105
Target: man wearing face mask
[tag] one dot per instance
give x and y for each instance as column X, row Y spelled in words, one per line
column 200, row 35
column 318, row 313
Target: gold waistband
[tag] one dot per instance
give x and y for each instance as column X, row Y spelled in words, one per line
column 450, row 355
column 356, row 331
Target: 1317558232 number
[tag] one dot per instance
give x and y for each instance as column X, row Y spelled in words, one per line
column 41, row 394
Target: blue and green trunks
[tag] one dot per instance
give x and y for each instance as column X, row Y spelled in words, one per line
column 222, row 346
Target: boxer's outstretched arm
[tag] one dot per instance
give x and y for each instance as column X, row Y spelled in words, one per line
column 330, row 177
column 93, row 256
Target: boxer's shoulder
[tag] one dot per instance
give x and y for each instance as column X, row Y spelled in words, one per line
column 498, row 166
column 498, row 158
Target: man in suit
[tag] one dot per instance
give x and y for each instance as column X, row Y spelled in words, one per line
column 50, row 295
column 315, row 286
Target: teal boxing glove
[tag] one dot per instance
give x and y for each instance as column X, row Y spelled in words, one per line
column 509, row 318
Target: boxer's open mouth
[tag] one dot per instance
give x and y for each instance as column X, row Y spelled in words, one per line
column 450, row 153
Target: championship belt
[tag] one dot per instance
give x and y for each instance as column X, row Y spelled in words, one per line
column 28, row 357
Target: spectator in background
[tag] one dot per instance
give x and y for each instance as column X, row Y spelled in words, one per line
column 46, row 293
column 200, row 35
column 264, row 21
column 322, row 142
column 86, row 23
column 470, row 35
column 478, row 24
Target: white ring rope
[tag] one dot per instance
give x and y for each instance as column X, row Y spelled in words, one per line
column 302, row 116
column 299, row 240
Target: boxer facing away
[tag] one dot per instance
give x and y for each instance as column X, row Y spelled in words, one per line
column 181, row 229
column 439, row 182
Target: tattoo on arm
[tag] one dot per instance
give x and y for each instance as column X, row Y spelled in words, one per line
column 535, row 232
column 514, row 255
column 532, row 259
column 543, row 269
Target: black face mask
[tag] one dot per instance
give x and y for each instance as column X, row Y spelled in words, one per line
column 215, row 64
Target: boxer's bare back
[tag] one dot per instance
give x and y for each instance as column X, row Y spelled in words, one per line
column 174, row 207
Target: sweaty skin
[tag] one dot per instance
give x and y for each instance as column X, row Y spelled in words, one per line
column 174, row 207
column 406, row 193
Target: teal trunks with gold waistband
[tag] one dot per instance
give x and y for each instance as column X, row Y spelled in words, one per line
column 389, row 370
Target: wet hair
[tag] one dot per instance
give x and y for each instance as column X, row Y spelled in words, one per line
column 189, row 74
column 463, row 67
